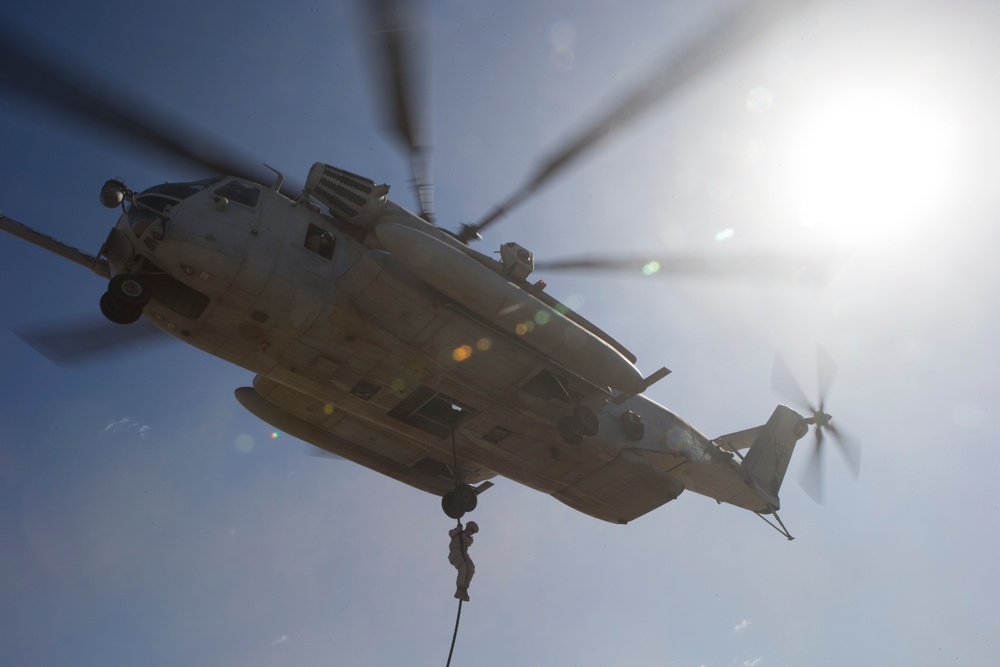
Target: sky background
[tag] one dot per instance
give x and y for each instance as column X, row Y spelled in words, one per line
column 146, row 518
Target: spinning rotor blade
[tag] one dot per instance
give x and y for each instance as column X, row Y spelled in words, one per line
column 826, row 369
column 849, row 447
column 84, row 340
column 399, row 57
column 812, row 475
column 83, row 96
column 731, row 35
column 816, row 269
column 783, row 382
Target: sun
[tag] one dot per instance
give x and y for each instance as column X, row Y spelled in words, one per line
column 871, row 165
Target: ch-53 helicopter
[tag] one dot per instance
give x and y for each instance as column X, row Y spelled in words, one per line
column 382, row 338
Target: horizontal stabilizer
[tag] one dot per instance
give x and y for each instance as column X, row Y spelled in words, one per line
column 733, row 442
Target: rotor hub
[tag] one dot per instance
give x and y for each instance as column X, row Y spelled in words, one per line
column 820, row 418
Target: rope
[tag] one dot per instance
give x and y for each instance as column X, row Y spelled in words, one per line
column 454, row 456
column 455, row 635
column 461, row 537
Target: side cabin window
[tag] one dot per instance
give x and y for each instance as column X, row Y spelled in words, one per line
column 238, row 192
column 320, row 241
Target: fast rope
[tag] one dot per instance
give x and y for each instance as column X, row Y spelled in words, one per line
column 454, row 461
column 455, row 635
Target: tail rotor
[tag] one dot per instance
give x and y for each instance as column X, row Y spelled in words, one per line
column 783, row 382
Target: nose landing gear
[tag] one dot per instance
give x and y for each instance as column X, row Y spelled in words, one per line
column 127, row 295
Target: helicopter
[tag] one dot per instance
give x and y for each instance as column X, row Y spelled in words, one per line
column 379, row 336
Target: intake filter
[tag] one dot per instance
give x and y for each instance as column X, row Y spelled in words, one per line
column 354, row 198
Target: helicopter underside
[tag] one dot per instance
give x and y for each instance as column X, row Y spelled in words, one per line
column 389, row 370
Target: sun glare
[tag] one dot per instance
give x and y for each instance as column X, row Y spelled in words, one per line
column 872, row 165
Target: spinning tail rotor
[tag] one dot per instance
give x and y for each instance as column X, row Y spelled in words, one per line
column 784, row 383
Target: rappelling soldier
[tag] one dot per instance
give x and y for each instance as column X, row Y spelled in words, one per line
column 458, row 555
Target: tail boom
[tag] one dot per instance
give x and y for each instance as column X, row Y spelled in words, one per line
column 767, row 461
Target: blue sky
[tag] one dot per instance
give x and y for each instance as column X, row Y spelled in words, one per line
column 148, row 519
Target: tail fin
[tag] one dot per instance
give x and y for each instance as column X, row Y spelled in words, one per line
column 767, row 460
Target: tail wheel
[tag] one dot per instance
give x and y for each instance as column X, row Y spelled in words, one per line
column 130, row 291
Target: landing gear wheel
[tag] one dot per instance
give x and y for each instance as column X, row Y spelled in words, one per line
column 467, row 497
column 129, row 290
column 450, row 505
column 567, row 430
column 116, row 313
column 585, row 420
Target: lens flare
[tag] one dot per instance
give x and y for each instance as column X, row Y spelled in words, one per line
column 725, row 234
column 244, row 443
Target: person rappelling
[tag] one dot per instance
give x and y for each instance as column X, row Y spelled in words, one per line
column 458, row 555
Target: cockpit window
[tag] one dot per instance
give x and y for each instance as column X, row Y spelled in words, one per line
column 156, row 202
column 179, row 191
column 139, row 219
column 158, row 198
column 239, row 193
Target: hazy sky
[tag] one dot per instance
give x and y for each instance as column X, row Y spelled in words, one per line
column 146, row 518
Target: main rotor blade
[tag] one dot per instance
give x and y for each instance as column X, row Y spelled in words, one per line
column 729, row 38
column 83, row 96
column 812, row 269
column 400, row 56
column 80, row 341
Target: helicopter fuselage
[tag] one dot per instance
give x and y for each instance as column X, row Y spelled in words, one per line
column 374, row 347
